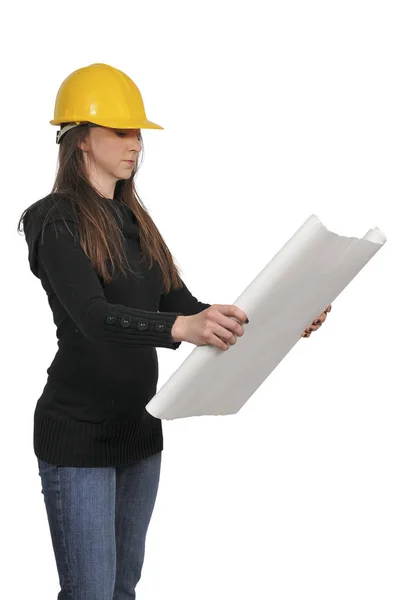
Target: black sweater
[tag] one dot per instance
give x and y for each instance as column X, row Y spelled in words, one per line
column 91, row 412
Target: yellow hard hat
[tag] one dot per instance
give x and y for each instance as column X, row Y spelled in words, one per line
column 101, row 95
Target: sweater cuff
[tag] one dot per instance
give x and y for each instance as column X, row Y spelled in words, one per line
column 145, row 328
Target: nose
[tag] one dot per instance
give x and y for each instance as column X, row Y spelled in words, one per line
column 135, row 144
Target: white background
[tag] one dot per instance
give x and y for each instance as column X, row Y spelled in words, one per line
column 272, row 111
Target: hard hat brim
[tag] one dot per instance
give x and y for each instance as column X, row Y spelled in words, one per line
column 112, row 123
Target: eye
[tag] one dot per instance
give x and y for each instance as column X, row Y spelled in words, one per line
column 120, row 133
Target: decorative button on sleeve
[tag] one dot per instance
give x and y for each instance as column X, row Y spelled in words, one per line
column 75, row 282
column 125, row 321
column 142, row 324
column 111, row 318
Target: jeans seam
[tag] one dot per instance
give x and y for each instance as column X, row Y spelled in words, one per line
column 62, row 530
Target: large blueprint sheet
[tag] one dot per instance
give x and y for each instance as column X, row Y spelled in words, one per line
column 302, row 279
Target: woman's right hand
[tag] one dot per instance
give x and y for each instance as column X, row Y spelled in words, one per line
column 218, row 325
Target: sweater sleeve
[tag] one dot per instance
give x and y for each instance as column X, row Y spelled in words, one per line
column 181, row 300
column 79, row 290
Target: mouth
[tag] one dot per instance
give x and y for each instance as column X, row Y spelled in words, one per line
column 130, row 162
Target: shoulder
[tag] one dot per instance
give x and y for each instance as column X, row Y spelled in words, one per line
column 54, row 208
column 51, row 208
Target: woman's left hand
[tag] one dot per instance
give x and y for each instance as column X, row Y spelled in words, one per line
column 317, row 323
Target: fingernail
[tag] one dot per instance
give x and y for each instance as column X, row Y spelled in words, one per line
column 317, row 321
column 247, row 320
column 309, row 328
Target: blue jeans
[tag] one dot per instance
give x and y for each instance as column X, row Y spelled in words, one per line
column 98, row 519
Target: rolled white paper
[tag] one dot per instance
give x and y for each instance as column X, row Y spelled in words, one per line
column 302, row 279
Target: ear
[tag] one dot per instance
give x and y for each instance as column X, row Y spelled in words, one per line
column 83, row 146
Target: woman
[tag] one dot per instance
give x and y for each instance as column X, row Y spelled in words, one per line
column 115, row 295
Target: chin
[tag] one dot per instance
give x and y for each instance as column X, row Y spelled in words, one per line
column 124, row 176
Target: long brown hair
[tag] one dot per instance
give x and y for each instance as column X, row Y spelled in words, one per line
column 98, row 229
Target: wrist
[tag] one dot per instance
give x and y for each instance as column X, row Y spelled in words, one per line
column 177, row 331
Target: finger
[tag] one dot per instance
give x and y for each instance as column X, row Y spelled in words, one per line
column 312, row 328
column 241, row 323
column 319, row 320
column 227, row 336
column 231, row 324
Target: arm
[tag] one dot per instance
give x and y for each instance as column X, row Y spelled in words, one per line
column 78, row 288
column 183, row 301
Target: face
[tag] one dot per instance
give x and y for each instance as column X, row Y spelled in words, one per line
column 106, row 153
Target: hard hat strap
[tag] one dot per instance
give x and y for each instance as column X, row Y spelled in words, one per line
column 69, row 126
